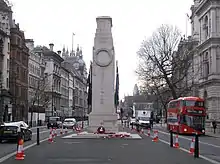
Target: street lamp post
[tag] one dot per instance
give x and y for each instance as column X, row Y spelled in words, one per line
column 52, row 99
column 38, row 103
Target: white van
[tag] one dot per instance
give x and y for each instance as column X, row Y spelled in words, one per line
column 69, row 123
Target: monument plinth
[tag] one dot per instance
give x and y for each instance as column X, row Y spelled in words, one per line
column 103, row 78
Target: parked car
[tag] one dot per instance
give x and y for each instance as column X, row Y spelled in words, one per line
column 69, row 123
column 132, row 121
column 54, row 122
column 9, row 131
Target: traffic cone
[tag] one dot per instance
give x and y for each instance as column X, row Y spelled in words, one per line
column 142, row 131
column 155, row 139
column 176, row 144
column 148, row 132
column 52, row 132
column 192, row 146
column 61, row 132
column 19, row 154
column 55, row 132
column 22, row 148
column 50, row 139
column 66, row 131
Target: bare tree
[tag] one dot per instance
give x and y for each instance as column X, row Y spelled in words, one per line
column 161, row 68
column 40, row 97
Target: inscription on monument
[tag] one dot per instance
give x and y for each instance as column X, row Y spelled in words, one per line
column 102, row 96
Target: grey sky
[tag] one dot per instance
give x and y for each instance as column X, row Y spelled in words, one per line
column 54, row 21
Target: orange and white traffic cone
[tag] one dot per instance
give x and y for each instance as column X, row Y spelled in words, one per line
column 55, row 131
column 192, row 146
column 50, row 139
column 52, row 132
column 142, row 131
column 66, row 130
column 176, row 144
column 22, row 148
column 148, row 132
column 61, row 132
column 19, row 154
column 156, row 138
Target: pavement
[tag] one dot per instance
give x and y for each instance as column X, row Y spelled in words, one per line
column 105, row 151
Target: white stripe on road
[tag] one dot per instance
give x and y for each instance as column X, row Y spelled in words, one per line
column 201, row 156
column 204, row 143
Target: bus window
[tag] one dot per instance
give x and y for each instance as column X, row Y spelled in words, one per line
column 194, row 103
column 173, row 104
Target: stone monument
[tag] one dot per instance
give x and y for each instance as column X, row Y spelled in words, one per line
column 103, row 78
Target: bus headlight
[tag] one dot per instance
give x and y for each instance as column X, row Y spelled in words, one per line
column 185, row 130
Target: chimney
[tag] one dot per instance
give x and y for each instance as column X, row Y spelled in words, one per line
column 59, row 53
column 51, row 46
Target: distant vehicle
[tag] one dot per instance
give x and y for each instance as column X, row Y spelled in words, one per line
column 54, row 122
column 143, row 118
column 9, row 131
column 69, row 123
column 186, row 115
column 132, row 121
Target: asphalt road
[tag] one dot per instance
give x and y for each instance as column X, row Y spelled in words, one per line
column 105, row 151
column 209, row 146
column 10, row 147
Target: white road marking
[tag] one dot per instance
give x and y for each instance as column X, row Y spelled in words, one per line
column 201, row 156
column 204, row 143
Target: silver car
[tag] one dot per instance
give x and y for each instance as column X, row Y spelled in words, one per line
column 69, row 123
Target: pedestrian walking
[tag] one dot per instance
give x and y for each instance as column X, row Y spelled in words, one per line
column 214, row 125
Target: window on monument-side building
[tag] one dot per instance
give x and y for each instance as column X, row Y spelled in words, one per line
column 206, row 65
column 206, row 27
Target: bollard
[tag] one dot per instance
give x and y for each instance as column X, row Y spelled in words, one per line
column 171, row 138
column 19, row 136
column 196, row 153
column 38, row 136
column 138, row 127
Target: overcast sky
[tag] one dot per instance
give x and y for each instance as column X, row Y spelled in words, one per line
column 54, row 21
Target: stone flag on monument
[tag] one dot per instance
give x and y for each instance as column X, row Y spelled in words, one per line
column 103, row 78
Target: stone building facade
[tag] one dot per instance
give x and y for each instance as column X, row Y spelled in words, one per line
column 206, row 30
column 5, row 96
column 19, row 58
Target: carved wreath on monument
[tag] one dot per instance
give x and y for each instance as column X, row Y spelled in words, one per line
column 103, row 57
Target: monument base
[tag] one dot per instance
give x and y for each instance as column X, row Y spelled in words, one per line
column 107, row 120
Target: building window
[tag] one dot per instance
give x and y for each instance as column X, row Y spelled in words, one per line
column 8, row 64
column 8, row 46
column 206, row 27
column 7, row 83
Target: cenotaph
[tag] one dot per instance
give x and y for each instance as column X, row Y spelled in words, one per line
column 103, row 78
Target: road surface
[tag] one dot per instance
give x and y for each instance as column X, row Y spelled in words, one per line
column 105, row 151
column 10, row 147
column 209, row 146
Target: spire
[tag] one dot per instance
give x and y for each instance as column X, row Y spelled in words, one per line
column 63, row 48
column 67, row 52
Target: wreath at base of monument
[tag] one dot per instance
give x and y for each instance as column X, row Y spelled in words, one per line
column 101, row 130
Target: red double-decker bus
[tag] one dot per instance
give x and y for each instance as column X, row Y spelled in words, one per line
column 186, row 115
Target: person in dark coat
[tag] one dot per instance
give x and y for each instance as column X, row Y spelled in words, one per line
column 214, row 125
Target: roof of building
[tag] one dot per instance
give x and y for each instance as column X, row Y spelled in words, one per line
column 140, row 99
column 4, row 6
